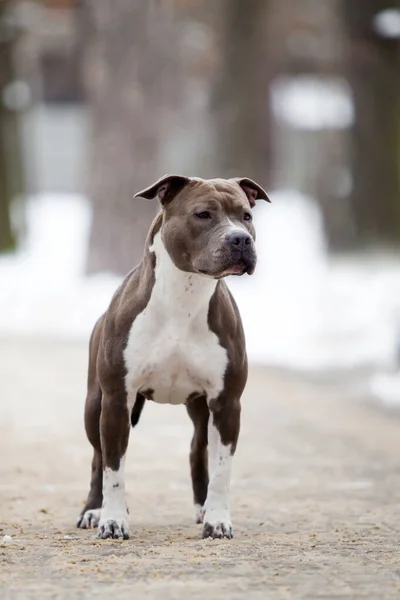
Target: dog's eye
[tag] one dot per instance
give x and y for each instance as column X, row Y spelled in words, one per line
column 203, row 215
column 247, row 217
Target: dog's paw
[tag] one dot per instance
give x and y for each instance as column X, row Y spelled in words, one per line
column 199, row 513
column 114, row 529
column 89, row 519
column 217, row 524
column 217, row 530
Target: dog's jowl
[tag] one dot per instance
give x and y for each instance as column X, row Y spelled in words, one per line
column 172, row 334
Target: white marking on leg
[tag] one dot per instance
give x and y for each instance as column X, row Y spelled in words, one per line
column 217, row 521
column 90, row 518
column 114, row 513
column 199, row 510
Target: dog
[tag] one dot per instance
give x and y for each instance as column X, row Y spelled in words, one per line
column 173, row 334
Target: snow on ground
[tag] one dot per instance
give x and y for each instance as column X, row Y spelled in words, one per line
column 386, row 387
column 43, row 290
column 313, row 103
column 301, row 309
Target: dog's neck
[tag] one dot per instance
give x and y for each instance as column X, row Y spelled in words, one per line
column 178, row 291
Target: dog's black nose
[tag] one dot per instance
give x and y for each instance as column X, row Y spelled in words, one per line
column 239, row 239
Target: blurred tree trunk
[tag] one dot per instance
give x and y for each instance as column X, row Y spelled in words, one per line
column 240, row 98
column 374, row 73
column 11, row 179
column 130, row 70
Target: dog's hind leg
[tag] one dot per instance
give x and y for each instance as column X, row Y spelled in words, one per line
column 90, row 514
column 199, row 413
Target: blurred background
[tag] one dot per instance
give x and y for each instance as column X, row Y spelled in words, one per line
column 98, row 98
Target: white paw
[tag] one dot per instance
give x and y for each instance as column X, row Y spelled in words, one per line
column 115, row 528
column 89, row 519
column 199, row 511
column 217, row 524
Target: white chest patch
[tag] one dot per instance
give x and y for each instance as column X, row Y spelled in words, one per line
column 171, row 352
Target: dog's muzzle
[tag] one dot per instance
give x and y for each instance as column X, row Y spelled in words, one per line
column 242, row 253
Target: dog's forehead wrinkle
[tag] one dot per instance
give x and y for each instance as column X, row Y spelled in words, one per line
column 223, row 186
column 217, row 193
column 231, row 196
column 226, row 193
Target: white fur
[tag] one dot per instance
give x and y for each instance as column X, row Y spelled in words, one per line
column 171, row 349
column 199, row 512
column 216, row 510
column 90, row 518
column 114, row 513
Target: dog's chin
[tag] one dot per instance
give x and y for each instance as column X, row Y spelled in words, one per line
column 238, row 269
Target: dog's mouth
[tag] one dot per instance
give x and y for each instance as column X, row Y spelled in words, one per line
column 240, row 268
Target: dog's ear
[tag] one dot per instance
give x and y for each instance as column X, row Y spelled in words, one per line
column 165, row 188
column 252, row 190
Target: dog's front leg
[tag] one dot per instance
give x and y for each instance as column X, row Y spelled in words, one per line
column 223, row 432
column 114, row 431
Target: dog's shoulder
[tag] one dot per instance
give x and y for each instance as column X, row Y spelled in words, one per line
column 127, row 302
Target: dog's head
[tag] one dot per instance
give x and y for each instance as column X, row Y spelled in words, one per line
column 207, row 224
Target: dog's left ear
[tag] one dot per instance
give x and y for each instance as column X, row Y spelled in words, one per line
column 252, row 190
column 166, row 188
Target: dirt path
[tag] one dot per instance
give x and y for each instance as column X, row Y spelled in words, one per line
column 315, row 494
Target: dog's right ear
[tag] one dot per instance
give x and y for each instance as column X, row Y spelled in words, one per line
column 165, row 188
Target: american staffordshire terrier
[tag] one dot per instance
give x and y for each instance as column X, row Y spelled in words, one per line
column 173, row 334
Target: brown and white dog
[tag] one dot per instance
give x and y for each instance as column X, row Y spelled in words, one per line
column 173, row 334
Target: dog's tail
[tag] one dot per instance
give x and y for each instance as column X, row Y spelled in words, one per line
column 137, row 409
